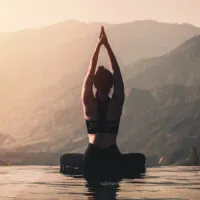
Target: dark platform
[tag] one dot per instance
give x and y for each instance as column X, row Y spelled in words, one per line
column 131, row 165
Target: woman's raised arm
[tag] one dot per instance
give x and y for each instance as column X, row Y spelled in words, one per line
column 87, row 93
column 118, row 81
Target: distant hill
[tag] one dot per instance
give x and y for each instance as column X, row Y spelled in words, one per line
column 43, row 73
column 141, row 39
column 180, row 66
column 36, row 61
column 159, row 122
column 165, row 122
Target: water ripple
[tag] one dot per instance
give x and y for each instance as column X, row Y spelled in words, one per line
column 42, row 183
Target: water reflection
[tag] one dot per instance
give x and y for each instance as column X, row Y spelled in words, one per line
column 105, row 189
column 46, row 183
column 102, row 191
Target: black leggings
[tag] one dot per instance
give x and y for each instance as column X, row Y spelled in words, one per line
column 99, row 160
column 110, row 162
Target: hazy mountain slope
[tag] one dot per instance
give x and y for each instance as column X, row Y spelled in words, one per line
column 35, row 61
column 6, row 140
column 48, row 36
column 132, row 40
column 41, row 104
column 181, row 66
column 168, row 127
column 166, row 121
column 148, row 38
column 47, row 123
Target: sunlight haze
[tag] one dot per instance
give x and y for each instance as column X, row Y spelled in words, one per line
column 22, row 14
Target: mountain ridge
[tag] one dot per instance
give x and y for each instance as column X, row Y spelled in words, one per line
column 178, row 66
column 42, row 99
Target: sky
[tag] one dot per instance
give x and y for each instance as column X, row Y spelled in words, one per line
column 22, row 14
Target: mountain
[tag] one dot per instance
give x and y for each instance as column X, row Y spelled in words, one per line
column 43, row 72
column 158, row 122
column 168, row 126
column 5, row 140
column 36, row 61
column 141, row 39
column 180, row 66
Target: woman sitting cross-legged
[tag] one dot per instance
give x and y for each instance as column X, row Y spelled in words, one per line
column 102, row 113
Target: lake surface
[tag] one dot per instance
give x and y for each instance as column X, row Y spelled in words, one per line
column 44, row 182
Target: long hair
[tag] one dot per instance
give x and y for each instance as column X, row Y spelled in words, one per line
column 103, row 80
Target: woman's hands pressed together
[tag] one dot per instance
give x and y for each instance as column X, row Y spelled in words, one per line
column 102, row 37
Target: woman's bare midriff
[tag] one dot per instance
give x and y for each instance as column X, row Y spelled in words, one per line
column 102, row 140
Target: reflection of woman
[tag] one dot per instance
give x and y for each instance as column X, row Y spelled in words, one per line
column 102, row 113
column 102, row 191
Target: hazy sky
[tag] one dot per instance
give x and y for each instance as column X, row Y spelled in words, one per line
column 20, row 14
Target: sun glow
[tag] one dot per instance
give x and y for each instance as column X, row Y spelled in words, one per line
column 22, row 14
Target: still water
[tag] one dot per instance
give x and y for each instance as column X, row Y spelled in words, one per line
column 44, row 182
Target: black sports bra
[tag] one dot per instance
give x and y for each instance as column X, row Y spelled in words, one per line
column 102, row 125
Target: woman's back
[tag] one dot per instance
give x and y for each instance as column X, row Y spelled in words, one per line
column 102, row 114
column 103, row 125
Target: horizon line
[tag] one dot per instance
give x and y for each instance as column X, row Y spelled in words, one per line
column 96, row 22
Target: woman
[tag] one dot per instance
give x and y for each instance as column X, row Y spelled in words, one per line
column 102, row 113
